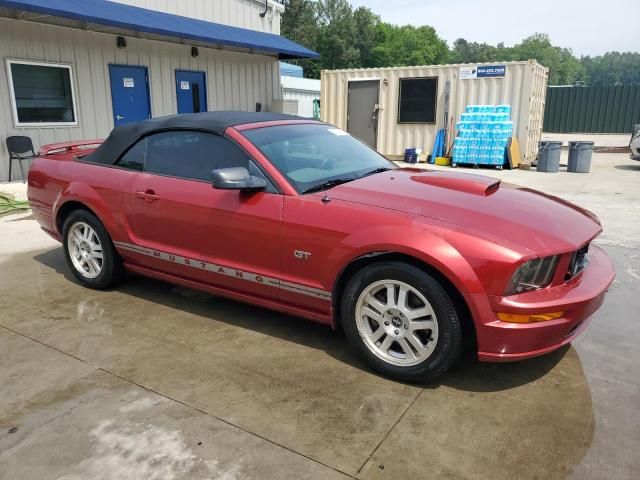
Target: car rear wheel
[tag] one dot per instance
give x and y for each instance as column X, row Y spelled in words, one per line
column 401, row 321
column 90, row 252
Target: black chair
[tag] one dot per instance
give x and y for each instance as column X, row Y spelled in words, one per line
column 20, row 148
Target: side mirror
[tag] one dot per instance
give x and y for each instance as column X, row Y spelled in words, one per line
column 236, row 178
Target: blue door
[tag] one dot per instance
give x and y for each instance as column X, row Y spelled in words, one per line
column 191, row 91
column 129, row 94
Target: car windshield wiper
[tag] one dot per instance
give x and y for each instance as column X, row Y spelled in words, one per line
column 327, row 184
column 376, row 170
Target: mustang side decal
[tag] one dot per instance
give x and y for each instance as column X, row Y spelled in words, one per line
column 225, row 270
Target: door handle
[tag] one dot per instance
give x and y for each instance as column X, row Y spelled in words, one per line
column 119, row 117
column 148, row 196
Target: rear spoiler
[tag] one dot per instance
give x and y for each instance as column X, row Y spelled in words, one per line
column 68, row 147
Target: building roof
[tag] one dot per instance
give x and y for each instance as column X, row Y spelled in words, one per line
column 123, row 137
column 93, row 14
column 290, row 70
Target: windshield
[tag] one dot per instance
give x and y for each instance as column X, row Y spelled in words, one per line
column 316, row 156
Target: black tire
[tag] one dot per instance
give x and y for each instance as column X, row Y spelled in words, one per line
column 449, row 340
column 112, row 269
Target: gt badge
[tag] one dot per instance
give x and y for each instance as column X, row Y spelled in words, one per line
column 301, row 255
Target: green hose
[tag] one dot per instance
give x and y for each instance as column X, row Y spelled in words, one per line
column 8, row 204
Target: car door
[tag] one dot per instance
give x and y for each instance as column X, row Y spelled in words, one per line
column 185, row 227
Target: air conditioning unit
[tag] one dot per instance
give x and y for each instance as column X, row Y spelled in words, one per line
column 290, row 107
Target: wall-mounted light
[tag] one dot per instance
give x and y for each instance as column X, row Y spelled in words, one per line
column 266, row 8
column 121, row 42
column 385, row 82
column 194, row 52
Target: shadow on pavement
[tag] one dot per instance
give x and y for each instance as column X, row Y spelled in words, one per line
column 531, row 419
column 467, row 374
column 633, row 168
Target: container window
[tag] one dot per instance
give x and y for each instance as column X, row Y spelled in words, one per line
column 417, row 100
column 42, row 93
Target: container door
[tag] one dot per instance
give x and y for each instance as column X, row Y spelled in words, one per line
column 129, row 94
column 362, row 110
column 191, row 91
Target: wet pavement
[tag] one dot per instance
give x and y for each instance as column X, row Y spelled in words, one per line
column 155, row 381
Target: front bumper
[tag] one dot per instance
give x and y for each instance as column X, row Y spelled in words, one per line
column 579, row 298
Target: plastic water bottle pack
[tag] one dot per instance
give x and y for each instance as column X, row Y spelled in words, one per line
column 483, row 133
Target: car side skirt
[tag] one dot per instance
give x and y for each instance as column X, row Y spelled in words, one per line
column 225, row 270
column 231, row 294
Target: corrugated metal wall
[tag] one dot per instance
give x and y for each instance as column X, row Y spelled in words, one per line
column 235, row 81
column 239, row 13
column 523, row 87
column 304, row 90
column 613, row 109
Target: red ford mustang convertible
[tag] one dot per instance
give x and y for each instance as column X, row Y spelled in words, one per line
column 300, row 217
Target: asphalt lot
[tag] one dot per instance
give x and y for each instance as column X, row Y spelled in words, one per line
column 160, row 382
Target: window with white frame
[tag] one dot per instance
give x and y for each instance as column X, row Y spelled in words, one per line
column 41, row 93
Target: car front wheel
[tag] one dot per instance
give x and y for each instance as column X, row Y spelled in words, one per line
column 401, row 321
column 89, row 251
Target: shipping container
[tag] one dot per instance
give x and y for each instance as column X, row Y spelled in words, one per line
column 397, row 108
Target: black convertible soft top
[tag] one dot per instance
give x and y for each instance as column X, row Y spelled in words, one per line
column 121, row 138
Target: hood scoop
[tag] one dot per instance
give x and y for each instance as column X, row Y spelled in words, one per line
column 462, row 182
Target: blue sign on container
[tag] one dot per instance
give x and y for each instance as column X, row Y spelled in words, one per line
column 491, row 71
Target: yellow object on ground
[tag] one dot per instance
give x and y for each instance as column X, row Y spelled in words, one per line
column 443, row 161
column 513, row 153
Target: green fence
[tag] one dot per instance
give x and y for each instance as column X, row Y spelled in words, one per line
column 592, row 109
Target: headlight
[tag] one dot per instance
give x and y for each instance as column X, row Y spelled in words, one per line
column 532, row 275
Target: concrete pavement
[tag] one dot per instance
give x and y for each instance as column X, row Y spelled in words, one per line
column 160, row 382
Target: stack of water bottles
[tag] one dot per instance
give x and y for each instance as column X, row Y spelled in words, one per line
column 483, row 133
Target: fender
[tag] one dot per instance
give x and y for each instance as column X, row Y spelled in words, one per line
column 82, row 193
column 424, row 246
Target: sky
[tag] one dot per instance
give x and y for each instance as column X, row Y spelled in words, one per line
column 588, row 27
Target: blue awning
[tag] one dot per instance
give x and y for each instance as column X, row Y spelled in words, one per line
column 117, row 15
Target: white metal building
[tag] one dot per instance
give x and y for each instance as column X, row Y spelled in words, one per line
column 303, row 91
column 72, row 70
column 403, row 107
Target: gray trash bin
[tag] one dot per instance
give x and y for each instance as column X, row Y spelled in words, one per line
column 549, row 155
column 580, row 157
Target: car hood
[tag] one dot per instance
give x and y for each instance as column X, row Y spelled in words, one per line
column 500, row 212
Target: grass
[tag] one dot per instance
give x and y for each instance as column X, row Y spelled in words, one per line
column 9, row 205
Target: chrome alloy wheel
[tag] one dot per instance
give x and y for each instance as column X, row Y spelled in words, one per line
column 85, row 250
column 396, row 323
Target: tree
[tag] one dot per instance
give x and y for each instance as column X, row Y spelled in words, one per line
column 344, row 38
column 366, row 25
column 336, row 35
column 408, row 45
column 347, row 38
column 472, row 52
column 564, row 68
column 299, row 23
column 612, row 68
